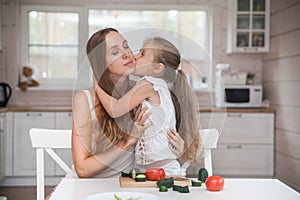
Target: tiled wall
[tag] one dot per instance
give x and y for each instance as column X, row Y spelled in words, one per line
column 281, row 81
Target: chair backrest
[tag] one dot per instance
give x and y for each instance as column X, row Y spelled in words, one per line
column 209, row 139
column 48, row 139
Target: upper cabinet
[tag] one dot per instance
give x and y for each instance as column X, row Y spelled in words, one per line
column 248, row 26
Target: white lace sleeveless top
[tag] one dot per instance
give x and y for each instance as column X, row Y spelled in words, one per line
column 153, row 145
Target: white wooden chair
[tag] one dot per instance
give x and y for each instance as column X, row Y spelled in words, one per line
column 209, row 139
column 48, row 139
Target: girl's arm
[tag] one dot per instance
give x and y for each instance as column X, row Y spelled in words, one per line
column 87, row 165
column 118, row 107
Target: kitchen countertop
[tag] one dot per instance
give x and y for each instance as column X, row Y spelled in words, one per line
column 69, row 109
column 37, row 109
column 234, row 110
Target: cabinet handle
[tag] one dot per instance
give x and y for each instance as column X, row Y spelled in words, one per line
column 70, row 114
column 234, row 146
column 234, row 115
column 34, row 114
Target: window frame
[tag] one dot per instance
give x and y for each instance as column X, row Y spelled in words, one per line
column 83, row 11
column 52, row 83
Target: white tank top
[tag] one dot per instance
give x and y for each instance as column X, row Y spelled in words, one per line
column 153, row 145
column 124, row 163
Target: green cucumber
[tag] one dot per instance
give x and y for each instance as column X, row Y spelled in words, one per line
column 163, row 188
column 140, row 178
column 181, row 189
column 134, row 172
column 176, row 187
column 168, row 182
column 184, row 189
column 196, row 183
column 202, row 174
column 124, row 174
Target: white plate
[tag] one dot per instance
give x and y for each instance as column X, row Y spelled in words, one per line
column 123, row 196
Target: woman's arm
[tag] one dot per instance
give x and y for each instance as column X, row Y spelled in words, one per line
column 118, row 107
column 87, row 165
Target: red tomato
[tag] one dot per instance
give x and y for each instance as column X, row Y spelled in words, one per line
column 155, row 174
column 214, row 183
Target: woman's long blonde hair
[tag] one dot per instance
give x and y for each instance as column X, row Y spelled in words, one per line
column 187, row 122
column 96, row 52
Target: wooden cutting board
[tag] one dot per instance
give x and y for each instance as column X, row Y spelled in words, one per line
column 127, row 182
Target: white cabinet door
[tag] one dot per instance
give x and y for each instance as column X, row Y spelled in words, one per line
column 8, row 130
column 245, row 146
column 63, row 120
column 2, row 146
column 246, row 160
column 241, row 127
column 24, row 156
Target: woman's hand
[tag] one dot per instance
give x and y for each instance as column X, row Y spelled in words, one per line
column 176, row 143
column 139, row 125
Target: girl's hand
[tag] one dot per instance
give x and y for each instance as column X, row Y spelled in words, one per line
column 139, row 125
column 176, row 143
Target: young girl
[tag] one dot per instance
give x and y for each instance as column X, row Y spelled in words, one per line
column 165, row 91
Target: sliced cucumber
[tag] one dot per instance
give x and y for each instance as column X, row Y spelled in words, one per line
column 176, row 187
column 163, row 188
column 196, row 183
column 168, row 182
column 134, row 172
column 124, row 174
column 184, row 189
column 140, row 178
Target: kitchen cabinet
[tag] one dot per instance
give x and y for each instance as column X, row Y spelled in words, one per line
column 19, row 165
column 24, row 155
column 248, row 26
column 245, row 146
column 2, row 146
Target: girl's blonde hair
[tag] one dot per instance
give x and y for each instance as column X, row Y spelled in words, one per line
column 187, row 122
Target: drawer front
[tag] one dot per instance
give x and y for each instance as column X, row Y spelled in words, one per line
column 241, row 127
column 243, row 159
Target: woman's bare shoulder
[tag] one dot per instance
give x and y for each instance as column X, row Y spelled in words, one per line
column 80, row 99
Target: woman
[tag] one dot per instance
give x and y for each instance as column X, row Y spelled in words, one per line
column 101, row 146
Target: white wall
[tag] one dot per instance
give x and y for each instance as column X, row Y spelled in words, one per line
column 281, row 81
column 9, row 57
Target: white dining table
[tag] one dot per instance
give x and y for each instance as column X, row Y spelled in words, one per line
column 234, row 189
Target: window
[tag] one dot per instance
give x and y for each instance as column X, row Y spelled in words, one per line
column 53, row 38
column 51, row 44
column 54, row 47
column 187, row 29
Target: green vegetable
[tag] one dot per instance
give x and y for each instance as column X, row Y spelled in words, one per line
column 196, row 183
column 168, row 182
column 176, row 187
column 202, row 174
column 163, row 188
column 183, row 189
column 134, row 172
column 116, row 197
column 140, row 178
column 124, row 174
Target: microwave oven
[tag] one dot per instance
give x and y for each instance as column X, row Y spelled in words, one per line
column 240, row 96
